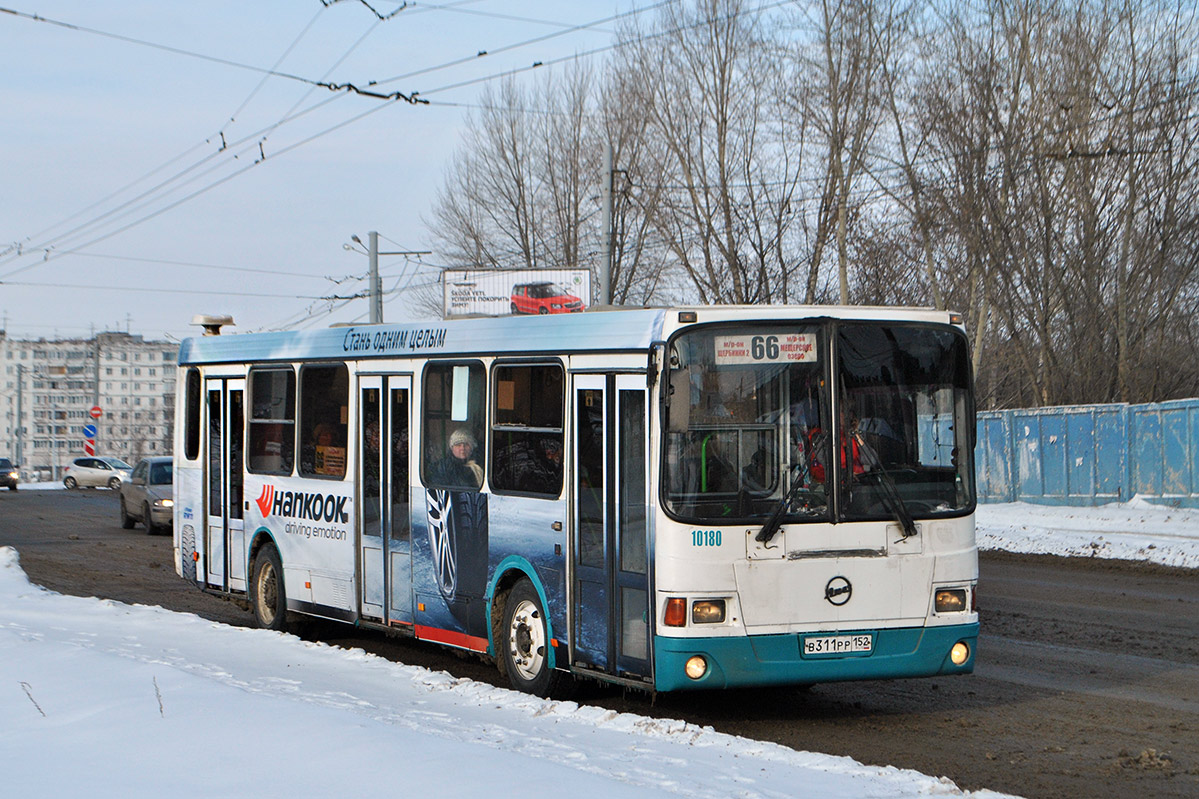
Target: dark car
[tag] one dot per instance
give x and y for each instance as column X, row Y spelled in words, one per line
column 545, row 297
column 9, row 476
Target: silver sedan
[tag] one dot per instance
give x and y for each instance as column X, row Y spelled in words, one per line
column 148, row 496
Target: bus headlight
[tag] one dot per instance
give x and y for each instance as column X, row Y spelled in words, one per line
column 697, row 666
column 707, row 611
column 949, row 600
column 959, row 654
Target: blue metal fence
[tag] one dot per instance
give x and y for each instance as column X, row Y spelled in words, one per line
column 1090, row 454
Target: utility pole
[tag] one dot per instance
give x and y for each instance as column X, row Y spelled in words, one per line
column 605, row 282
column 20, row 413
column 376, row 285
column 96, row 384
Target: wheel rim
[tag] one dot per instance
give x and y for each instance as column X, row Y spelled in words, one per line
column 114, row 483
column 526, row 641
column 268, row 593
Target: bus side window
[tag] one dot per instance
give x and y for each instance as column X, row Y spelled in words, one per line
column 191, row 434
column 527, row 435
column 454, row 412
column 324, row 408
column 272, row 421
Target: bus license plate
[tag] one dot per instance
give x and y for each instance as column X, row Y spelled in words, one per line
column 838, row 644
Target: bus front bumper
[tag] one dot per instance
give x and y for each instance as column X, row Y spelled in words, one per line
column 758, row 660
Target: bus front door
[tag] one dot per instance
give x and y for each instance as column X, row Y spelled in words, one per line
column 224, row 544
column 610, row 613
column 384, row 540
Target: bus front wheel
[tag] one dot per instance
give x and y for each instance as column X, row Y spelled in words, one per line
column 267, row 598
column 525, row 642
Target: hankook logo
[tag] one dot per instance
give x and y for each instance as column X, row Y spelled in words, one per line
column 302, row 505
column 838, row 590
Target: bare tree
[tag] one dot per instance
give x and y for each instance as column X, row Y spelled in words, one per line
column 720, row 199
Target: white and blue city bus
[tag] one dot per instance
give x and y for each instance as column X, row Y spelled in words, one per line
column 669, row 499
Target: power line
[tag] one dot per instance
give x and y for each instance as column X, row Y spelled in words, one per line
column 136, row 259
column 127, row 289
column 524, row 43
column 264, row 133
column 164, row 47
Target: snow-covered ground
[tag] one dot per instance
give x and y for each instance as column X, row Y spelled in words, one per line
column 1136, row 530
column 107, row 699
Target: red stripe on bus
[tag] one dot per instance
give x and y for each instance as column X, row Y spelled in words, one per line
column 452, row 638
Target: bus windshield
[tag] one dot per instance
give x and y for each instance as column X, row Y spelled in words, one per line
column 837, row 421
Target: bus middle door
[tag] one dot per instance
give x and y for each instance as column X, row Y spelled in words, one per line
column 610, row 629
column 384, row 533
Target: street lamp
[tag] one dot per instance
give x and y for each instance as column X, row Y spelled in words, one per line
column 376, row 288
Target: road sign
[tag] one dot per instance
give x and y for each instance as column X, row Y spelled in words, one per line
column 89, row 448
column 95, row 412
column 89, row 431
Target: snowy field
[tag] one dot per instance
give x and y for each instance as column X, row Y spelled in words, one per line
column 105, row 699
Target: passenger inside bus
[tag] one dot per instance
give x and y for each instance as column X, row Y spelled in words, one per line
column 459, row 469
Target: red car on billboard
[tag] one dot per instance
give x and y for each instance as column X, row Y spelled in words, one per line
column 542, row 298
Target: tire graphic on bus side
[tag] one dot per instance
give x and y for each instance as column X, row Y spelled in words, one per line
column 438, row 507
column 458, row 544
column 187, row 551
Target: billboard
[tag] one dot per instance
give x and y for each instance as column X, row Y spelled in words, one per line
column 495, row 292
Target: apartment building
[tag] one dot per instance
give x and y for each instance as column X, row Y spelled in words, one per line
column 49, row 387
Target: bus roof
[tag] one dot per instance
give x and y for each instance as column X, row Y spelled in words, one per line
column 558, row 333
column 617, row 330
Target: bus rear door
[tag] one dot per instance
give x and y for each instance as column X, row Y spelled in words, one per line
column 224, row 544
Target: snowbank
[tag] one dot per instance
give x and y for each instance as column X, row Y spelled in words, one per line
column 1135, row 530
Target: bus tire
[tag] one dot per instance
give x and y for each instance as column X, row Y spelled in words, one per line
column 267, row 597
column 525, row 643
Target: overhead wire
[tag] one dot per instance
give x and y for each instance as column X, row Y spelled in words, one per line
column 219, row 133
column 45, row 247
column 259, row 136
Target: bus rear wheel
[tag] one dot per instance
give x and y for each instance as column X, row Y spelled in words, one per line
column 524, row 645
column 267, row 598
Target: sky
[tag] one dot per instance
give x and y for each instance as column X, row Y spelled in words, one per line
column 151, row 170
column 105, row 699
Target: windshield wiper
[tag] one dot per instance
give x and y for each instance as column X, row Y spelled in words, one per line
column 775, row 521
column 889, row 491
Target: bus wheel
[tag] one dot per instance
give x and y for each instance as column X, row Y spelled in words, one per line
column 266, row 590
column 525, row 643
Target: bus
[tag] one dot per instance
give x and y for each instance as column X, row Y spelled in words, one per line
column 661, row 498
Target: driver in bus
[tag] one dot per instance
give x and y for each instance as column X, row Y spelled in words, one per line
column 849, row 441
column 459, row 468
